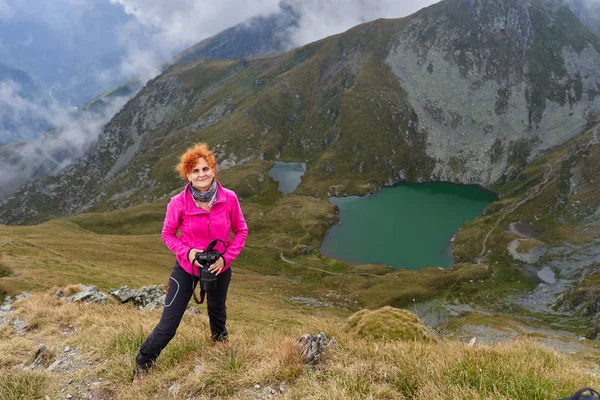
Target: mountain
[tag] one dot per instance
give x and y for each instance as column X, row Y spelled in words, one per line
column 588, row 11
column 256, row 37
column 462, row 91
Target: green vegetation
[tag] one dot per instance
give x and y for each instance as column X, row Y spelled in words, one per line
column 22, row 385
column 388, row 323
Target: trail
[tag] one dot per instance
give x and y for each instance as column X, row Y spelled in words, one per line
column 549, row 178
column 532, row 193
column 312, row 268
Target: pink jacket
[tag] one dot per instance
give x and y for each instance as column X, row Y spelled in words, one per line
column 199, row 227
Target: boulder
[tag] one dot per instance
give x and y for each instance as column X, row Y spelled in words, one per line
column 82, row 293
column 145, row 298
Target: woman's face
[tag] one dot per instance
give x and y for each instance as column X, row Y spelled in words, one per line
column 202, row 176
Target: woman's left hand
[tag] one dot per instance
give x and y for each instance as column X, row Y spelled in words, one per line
column 217, row 267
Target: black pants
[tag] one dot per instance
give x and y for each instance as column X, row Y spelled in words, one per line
column 178, row 296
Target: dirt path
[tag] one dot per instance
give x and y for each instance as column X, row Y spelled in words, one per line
column 532, row 193
column 540, row 187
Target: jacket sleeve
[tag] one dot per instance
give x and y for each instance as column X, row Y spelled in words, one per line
column 170, row 228
column 240, row 231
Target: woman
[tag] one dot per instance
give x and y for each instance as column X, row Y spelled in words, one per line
column 202, row 212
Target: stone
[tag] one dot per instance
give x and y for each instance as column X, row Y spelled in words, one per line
column 312, row 347
column 174, row 389
column 146, row 298
column 54, row 365
column 20, row 326
column 87, row 294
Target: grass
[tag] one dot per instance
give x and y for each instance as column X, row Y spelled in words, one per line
column 259, row 353
column 23, row 385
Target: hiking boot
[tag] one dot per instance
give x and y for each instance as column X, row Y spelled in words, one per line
column 220, row 337
column 138, row 373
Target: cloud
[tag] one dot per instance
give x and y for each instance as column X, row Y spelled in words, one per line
column 322, row 18
column 180, row 23
column 70, row 133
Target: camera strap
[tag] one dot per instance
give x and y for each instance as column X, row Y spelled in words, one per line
column 195, row 281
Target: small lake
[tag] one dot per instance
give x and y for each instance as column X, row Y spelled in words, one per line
column 288, row 174
column 405, row 226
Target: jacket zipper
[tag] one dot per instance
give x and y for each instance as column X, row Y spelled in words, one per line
column 208, row 223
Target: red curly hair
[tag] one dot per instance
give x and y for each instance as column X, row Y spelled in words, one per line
column 190, row 158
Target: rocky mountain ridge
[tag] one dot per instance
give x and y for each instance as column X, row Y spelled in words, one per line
column 462, row 91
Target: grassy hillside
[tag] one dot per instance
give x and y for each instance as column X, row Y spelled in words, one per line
column 96, row 346
column 282, row 289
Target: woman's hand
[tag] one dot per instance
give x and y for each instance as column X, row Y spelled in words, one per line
column 217, row 267
column 192, row 256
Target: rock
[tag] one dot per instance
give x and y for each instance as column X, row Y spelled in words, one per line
column 20, row 326
column 87, row 294
column 145, row 298
column 53, row 366
column 270, row 391
column 312, row 347
column 198, row 368
column 174, row 389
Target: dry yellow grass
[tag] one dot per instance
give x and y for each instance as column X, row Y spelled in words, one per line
column 261, row 352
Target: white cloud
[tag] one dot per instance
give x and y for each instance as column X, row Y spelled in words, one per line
column 177, row 24
column 74, row 131
column 322, row 18
column 181, row 23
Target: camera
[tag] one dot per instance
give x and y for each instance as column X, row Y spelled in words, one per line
column 208, row 280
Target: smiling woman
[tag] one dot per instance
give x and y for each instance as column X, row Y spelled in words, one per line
column 205, row 213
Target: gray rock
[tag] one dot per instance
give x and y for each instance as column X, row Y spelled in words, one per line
column 174, row 389
column 145, row 298
column 20, row 326
column 87, row 294
column 312, row 348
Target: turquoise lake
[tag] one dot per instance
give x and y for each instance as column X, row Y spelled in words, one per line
column 405, row 226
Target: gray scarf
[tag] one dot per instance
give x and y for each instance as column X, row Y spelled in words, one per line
column 204, row 196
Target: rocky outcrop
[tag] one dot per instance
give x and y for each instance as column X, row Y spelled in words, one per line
column 82, row 293
column 145, row 298
column 478, row 77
